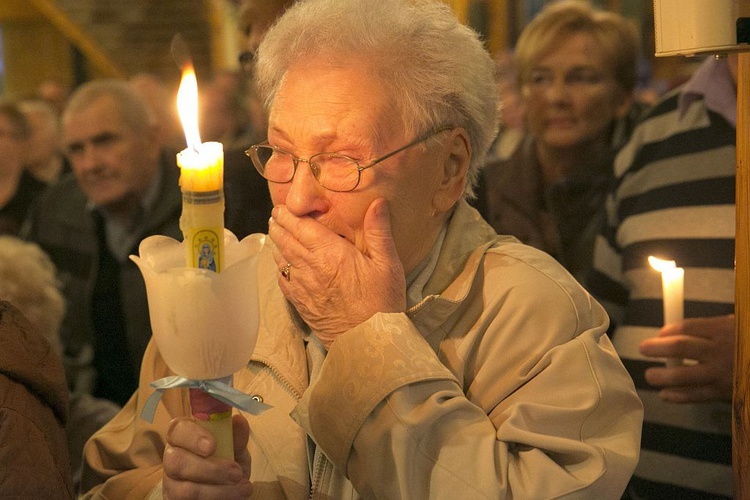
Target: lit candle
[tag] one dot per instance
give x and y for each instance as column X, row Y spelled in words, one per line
column 202, row 224
column 202, row 184
column 672, row 284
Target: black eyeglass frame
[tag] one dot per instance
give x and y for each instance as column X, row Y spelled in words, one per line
column 252, row 152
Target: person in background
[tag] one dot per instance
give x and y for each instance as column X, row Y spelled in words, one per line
column 44, row 159
column 29, row 282
column 255, row 18
column 577, row 68
column 33, row 412
column 18, row 188
column 122, row 189
column 674, row 199
column 510, row 109
column 405, row 350
column 248, row 201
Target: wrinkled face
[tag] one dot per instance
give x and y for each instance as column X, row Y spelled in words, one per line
column 12, row 149
column 343, row 109
column 571, row 96
column 112, row 162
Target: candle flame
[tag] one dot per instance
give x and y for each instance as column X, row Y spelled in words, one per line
column 661, row 265
column 187, row 106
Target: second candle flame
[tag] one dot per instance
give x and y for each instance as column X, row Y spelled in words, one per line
column 661, row 265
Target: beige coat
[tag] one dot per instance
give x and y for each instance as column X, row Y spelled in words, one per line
column 501, row 383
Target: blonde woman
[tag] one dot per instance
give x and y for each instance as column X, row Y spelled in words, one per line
column 577, row 71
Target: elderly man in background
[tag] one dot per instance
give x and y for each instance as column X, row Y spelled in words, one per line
column 122, row 189
column 405, row 349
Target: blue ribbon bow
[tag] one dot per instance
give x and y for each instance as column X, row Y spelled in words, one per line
column 217, row 388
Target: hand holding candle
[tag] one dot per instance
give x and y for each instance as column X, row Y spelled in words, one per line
column 672, row 280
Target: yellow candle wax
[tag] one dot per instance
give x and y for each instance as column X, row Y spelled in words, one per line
column 202, row 220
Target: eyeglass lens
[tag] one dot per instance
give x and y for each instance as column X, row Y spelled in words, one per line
column 333, row 172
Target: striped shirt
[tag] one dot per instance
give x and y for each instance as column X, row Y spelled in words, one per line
column 673, row 198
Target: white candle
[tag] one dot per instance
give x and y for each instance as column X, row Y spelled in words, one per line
column 672, row 285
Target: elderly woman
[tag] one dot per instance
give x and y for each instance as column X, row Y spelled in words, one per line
column 577, row 71
column 405, row 349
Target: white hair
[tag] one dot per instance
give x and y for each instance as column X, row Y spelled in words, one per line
column 436, row 69
column 28, row 281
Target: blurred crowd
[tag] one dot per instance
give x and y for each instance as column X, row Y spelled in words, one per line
column 594, row 164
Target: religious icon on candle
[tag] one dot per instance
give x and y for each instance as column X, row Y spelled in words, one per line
column 672, row 284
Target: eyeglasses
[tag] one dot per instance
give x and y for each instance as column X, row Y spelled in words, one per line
column 334, row 171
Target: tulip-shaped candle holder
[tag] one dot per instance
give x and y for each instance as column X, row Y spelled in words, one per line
column 204, row 323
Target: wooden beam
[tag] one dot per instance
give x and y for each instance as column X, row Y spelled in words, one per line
column 88, row 46
column 741, row 391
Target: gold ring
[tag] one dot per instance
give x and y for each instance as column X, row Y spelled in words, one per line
column 286, row 271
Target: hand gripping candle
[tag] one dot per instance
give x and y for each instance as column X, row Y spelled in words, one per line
column 202, row 225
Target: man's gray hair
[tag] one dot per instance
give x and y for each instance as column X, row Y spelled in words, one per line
column 134, row 111
column 436, row 69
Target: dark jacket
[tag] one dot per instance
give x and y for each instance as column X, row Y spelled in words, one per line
column 33, row 412
column 66, row 229
column 14, row 213
column 562, row 219
column 248, row 202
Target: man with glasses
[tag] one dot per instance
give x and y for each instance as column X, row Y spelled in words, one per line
column 405, row 350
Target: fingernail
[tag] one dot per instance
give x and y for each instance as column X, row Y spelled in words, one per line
column 204, row 445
